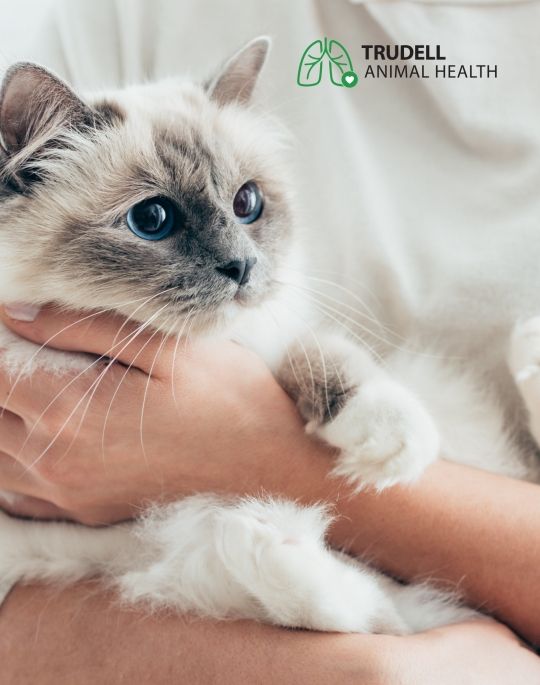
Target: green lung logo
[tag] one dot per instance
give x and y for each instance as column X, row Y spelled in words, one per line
column 321, row 52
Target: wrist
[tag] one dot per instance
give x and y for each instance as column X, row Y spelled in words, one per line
column 300, row 468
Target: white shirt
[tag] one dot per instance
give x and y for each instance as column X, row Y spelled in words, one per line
column 423, row 192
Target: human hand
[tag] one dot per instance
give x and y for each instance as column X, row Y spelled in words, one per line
column 162, row 421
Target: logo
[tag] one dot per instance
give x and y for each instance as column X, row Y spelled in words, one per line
column 329, row 57
column 326, row 52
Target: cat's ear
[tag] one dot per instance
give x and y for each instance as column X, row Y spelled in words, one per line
column 236, row 80
column 34, row 104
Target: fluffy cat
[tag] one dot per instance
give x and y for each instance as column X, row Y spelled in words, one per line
column 170, row 202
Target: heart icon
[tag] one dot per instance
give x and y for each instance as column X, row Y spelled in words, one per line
column 349, row 79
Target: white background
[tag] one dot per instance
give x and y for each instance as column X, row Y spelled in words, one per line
column 19, row 20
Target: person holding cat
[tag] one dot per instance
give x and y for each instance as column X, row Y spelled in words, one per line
column 409, row 532
column 57, row 487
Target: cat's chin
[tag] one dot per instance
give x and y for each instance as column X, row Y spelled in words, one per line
column 226, row 317
column 207, row 323
column 217, row 320
column 228, row 314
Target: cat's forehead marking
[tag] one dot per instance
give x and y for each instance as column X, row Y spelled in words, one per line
column 182, row 146
column 187, row 158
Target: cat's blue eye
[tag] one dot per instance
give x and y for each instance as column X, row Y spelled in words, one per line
column 248, row 203
column 152, row 219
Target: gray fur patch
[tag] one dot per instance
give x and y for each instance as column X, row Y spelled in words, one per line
column 110, row 113
column 318, row 381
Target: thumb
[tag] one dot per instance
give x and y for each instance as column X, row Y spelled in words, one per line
column 107, row 335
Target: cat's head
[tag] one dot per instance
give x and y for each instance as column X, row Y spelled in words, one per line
column 161, row 201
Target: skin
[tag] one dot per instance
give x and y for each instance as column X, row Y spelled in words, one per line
column 104, row 643
column 447, row 526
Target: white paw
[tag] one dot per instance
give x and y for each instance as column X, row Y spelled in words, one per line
column 281, row 561
column 258, row 559
column 524, row 356
column 385, row 436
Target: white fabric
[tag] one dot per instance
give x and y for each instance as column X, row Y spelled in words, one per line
column 19, row 22
column 423, row 192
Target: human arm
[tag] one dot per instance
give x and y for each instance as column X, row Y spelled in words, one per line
column 461, row 527
column 81, row 635
column 458, row 525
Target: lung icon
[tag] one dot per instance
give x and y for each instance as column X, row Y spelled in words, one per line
column 311, row 65
column 339, row 62
column 321, row 52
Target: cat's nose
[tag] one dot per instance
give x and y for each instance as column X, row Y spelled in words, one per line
column 238, row 270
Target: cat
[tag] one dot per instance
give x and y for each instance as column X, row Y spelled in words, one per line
column 170, row 202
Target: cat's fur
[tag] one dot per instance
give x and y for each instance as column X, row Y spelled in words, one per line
column 70, row 172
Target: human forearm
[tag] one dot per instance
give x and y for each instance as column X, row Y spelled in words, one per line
column 462, row 527
column 458, row 525
column 80, row 635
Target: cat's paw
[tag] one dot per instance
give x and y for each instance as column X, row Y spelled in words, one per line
column 263, row 560
column 385, row 436
column 276, row 553
column 524, row 354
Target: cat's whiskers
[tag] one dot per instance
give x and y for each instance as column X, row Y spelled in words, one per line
column 147, row 385
column 324, row 370
column 339, row 315
column 130, row 337
column 347, row 306
column 327, row 311
column 316, row 273
column 189, row 331
column 175, row 353
column 350, row 293
column 95, row 384
column 126, row 321
column 380, row 324
column 27, row 366
column 298, row 339
column 92, row 389
column 411, row 350
column 336, row 318
column 124, row 375
column 322, row 357
column 287, row 351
